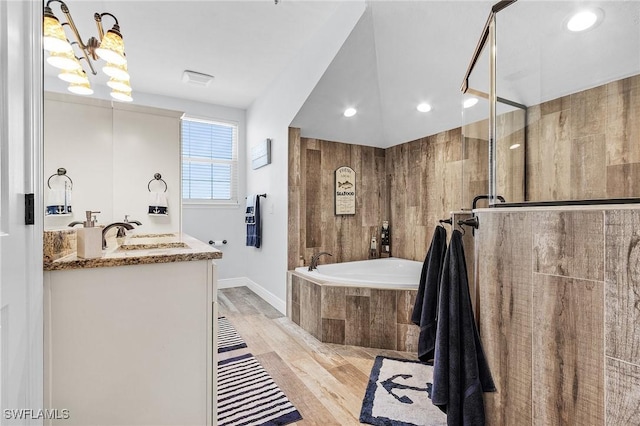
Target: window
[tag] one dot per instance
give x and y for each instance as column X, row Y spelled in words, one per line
column 209, row 161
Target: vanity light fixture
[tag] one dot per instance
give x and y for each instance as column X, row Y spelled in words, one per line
column 109, row 47
column 468, row 103
column 424, row 107
column 584, row 20
column 350, row 112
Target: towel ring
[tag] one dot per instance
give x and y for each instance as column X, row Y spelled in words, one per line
column 61, row 172
column 157, row 176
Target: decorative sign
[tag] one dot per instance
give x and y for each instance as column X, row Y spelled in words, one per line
column 345, row 195
column 261, row 154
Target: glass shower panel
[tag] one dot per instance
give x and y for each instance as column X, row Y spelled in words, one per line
column 581, row 90
column 475, row 134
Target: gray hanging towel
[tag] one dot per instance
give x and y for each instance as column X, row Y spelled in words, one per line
column 252, row 220
column 460, row 371
column 425, row 309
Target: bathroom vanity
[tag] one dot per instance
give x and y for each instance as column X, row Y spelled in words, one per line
column 129, row 337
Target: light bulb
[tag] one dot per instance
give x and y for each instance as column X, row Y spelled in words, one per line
column 118, row 72
column 120, row 85
column 63, row 60
column 80, row 89
column 77, row 76
column 122, row 96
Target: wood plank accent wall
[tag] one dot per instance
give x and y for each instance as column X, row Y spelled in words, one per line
column 586, row 145
column 558, row 307
column 425, row 185
column 313, row 226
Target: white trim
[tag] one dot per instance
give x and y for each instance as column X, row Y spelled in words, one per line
column 264, row 294
column 233, row 282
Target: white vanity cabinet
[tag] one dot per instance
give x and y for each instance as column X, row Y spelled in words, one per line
column 132, row 345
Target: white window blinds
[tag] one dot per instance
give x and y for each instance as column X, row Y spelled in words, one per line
column 209, row 161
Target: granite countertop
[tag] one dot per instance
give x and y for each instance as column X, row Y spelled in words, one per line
column 140, row 249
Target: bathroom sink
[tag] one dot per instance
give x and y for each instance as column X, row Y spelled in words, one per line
column 152, row 235
column 153, row 245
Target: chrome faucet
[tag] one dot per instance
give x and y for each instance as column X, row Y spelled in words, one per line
column 120, row 225
column 314, row 260
column 126, row 220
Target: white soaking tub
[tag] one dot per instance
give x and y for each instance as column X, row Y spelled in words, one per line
column 389, row 273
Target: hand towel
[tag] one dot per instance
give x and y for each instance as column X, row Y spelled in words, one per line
column 425, row 309
column 158, row 203
column 252, row 219
column 249, row 213
column 460, row 369
column 58, row 201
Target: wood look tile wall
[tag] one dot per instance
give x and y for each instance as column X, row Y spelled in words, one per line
column 586, row 145
column 313, row 225
column 558, row 315
column 367, row 317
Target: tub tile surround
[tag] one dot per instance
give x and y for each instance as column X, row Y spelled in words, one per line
column 558, row 297
column 372, row 318
column 580, row 146
column 585, row 145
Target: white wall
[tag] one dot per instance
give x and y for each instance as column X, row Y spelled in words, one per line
column 269, row 117
column 200, row 221
column 214, row 222
column 111, row 151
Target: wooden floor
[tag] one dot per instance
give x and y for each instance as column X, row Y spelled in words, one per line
column 325, row 382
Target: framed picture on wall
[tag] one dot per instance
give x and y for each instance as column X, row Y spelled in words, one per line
column 345, row 191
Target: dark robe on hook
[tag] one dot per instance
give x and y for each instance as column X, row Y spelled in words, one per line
column 425, row 309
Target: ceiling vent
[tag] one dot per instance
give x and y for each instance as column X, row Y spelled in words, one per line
column 197, row 78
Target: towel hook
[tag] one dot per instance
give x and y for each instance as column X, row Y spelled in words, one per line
column 60, row 172
column 473, row 222
column 157, row 176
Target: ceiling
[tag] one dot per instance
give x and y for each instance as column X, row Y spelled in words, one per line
column 399, row 54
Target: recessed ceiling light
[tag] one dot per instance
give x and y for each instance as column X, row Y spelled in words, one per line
column 468, row 103
column 350, row 112
column 584, row 20
column 424, row 107
column 514, row 146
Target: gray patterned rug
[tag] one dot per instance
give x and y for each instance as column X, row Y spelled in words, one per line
column 398, row 394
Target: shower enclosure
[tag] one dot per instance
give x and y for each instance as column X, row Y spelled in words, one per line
column 558, row 111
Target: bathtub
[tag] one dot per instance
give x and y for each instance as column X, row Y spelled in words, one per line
column 364, row 303
column 376, row 273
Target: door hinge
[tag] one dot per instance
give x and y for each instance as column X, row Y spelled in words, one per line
column 29, row 210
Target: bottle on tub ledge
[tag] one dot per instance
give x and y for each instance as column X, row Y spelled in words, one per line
column 373, row 250
column 385, row 240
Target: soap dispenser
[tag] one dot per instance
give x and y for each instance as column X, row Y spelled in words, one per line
column 89, row 245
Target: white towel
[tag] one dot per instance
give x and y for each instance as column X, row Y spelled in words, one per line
column 158, row 203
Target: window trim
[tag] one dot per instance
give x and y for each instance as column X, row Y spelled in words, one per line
column 234, row 162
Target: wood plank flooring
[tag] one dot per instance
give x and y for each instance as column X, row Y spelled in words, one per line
column 326, row 382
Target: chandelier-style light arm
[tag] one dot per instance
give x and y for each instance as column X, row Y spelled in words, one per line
column 108, row 46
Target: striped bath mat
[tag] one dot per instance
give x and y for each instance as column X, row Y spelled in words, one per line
column 247, row 395
column 228, row 337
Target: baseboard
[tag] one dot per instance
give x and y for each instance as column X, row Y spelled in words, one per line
column 265, row 294
column 233, row 282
